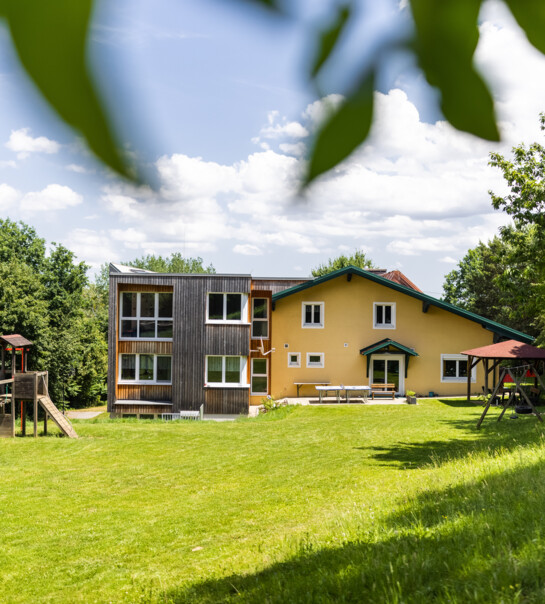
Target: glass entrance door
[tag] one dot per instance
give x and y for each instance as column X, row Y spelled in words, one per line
column 388, row 369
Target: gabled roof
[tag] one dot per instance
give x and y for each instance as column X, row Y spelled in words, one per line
column 387, row 343
column 427, row 301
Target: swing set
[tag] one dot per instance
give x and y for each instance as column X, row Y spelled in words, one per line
column 516, row 375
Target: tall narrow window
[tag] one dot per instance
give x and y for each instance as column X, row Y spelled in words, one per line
column 313, row 314
column 260, row 318
column 147, row 316
column 384, row 315
column 259, row 376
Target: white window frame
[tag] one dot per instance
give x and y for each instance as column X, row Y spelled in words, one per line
column 456, row 380
column 313, row 325
column 266, row 375
column 139, row 318
column 243, row 311
column 266, row 320
column 391, row 325
column 243, row 372
column 136, row 381
column 296, row 364
column 316, row 365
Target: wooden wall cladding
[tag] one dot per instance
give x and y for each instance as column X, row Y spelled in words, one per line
column 133, row 347
column 146, row 393
column 192, row 338
column 232, row 400
column 145, row 409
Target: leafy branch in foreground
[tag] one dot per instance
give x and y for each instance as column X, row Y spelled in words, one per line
column 51, row 37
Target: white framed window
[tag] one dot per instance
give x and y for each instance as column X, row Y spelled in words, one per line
column 454, row 368
column 384, row 315
column 313, row 315
column 259, row 376
column 226, row 372
column 145, row 369
column 146, row 316
column 260, row 318
column 226, row 308
column 315, row 359
column 294, row 359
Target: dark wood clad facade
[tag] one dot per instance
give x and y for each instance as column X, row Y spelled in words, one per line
column 192, row 341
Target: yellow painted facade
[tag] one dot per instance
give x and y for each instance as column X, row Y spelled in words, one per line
column 348, row 315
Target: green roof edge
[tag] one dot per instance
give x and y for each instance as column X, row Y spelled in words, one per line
column 498, row 328
column 383, row 344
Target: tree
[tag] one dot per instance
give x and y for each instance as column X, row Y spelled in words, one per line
column 175, row 263
column 496, row 280
column 444, row 39
column 358, row 258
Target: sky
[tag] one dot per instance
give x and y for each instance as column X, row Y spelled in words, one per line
column 212, row 98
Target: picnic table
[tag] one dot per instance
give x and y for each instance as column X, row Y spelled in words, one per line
column 338, row 389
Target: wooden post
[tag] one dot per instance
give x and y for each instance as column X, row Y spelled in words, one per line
column 23, row 417
column 45, row 423
column 35, row 416
column 13, row 355
column 469, row 367
column 3, row 362
column 12, row 407
column 486, row 370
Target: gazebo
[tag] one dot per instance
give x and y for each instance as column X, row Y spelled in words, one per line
column 491, row 356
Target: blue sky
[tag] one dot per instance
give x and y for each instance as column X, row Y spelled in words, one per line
column 212, row 97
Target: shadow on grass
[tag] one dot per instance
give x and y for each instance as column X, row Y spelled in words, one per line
column 504, row 436
column 458, row 402
column 477, row 542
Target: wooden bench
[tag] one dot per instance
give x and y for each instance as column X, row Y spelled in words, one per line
column 383, row 390
column 299, row 384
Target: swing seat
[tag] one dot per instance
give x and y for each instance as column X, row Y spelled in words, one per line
column 523, row 409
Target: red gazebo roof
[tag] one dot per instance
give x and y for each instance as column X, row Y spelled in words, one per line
column 511, row 349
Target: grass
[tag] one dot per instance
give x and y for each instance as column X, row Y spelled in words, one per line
column 322, row 504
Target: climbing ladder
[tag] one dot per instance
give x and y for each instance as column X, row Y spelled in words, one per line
column 64, row 424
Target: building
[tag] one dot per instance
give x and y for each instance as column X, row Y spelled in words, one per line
column 226, row 341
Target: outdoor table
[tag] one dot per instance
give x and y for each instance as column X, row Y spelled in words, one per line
column 364, row 389
column 326, row 389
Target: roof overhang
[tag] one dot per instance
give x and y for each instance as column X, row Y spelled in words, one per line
column 388, row 346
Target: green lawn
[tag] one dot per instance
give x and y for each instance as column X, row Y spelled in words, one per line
column 342, row 504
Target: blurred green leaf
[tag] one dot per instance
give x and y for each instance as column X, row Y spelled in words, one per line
column 530, row 15
column 269, row 4
column 50, row 38
column 346, row 128
column 328, row 38
column 446, row 38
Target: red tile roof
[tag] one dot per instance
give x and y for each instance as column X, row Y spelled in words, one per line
column 511, row 349
column 399, row 277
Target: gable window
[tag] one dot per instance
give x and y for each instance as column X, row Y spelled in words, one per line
column 226, row 371
column 454, row 368
column 294, row 359
column 260, row 318
column 384, row 315
column 146, row 316
column 315, row 359
column 259, row 376
column 313, row 314
column 226, row 308
column 145, row 369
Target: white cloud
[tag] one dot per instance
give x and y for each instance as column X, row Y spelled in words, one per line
column 23, row 144
column 77, row 169
column 53, row 197
column 247, row 250
column 8, row 197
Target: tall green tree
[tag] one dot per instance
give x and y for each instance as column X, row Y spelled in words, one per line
column 358, row 259
column 496, row 280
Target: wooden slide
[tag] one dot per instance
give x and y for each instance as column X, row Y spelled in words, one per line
column 61, row 421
